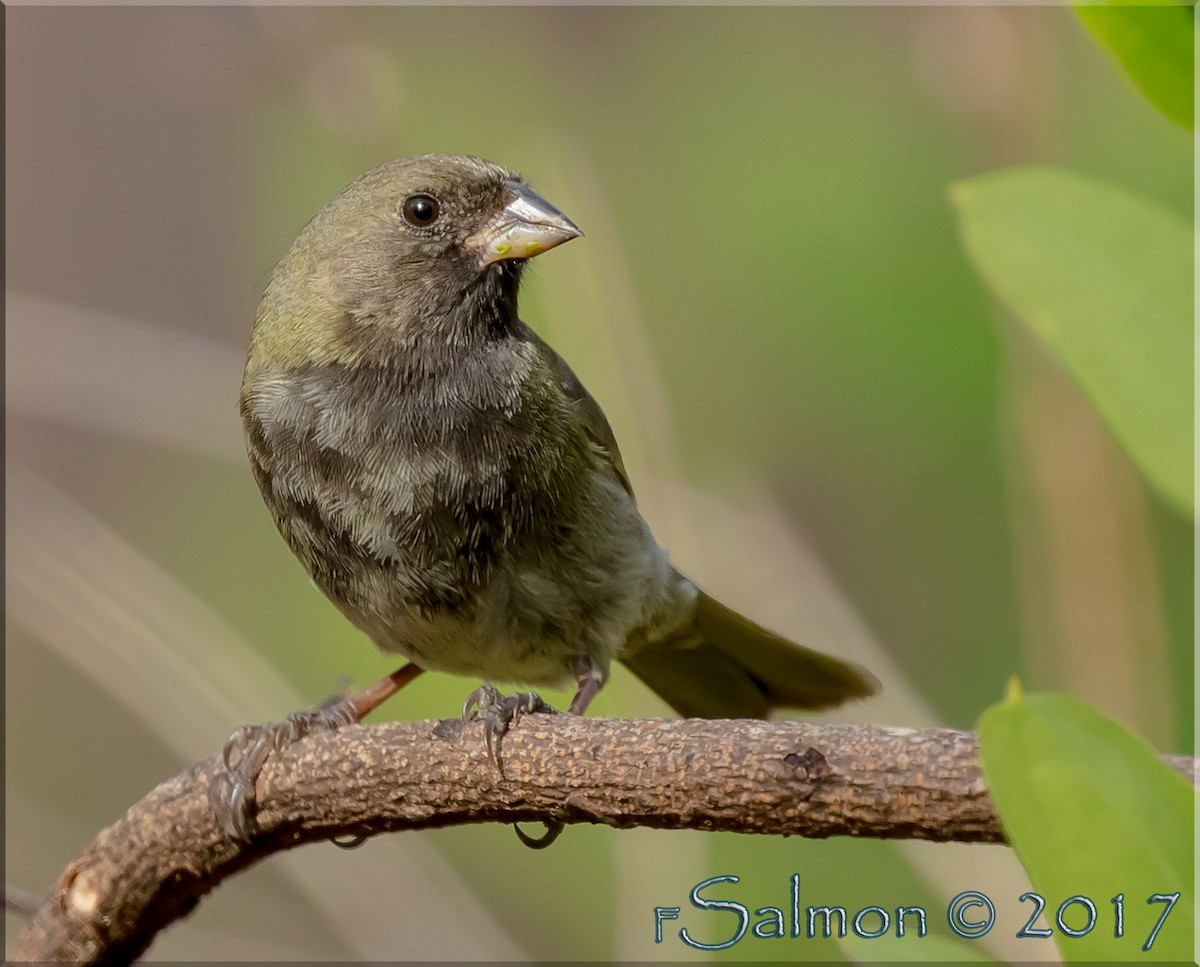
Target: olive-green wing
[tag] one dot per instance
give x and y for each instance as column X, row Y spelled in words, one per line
column 590, row 414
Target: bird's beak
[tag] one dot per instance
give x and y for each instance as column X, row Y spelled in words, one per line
column 526, row 226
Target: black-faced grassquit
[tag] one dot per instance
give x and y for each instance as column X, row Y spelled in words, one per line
column 451, row 486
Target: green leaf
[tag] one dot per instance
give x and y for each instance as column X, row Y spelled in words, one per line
column 1092, row 811
column 1104, row 278
column 1154, row 45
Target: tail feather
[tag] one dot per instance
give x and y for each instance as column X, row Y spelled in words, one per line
column 722, row 665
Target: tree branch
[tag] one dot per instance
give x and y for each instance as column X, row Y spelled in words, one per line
column 154, row 864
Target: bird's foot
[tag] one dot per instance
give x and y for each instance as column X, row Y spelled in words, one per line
column 233, row 791
column 500, row 713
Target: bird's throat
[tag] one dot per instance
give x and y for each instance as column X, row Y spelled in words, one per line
column 491, row 305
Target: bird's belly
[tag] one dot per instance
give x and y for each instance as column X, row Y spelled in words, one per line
column 472, row 540
column 448, row 644
column 546, row 605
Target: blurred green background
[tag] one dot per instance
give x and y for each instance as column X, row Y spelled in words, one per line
column 828, row 420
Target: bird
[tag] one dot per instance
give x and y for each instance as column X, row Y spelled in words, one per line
column 454, row 490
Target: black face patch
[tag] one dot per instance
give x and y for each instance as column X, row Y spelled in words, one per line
column 435, row 324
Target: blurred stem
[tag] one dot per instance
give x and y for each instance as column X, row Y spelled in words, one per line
column 1087, row 575
column 24, row 903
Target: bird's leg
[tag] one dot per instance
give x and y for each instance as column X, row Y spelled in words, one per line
column 246, row 752
column 591, row 680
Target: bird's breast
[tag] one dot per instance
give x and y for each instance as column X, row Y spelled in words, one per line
column 403, row 488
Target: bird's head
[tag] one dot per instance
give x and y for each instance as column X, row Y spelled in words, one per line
column 423, row 247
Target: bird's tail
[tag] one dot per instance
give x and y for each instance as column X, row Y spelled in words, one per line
column 721, row 665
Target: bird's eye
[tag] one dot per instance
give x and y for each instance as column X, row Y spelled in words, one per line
column 420, row 210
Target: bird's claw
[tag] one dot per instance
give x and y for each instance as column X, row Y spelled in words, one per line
column 500, row 713
column 553, row 829
column 232, row 793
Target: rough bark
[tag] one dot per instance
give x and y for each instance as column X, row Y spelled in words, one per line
column 154, row 864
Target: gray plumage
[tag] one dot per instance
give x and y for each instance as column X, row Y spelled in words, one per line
column 451, row 486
